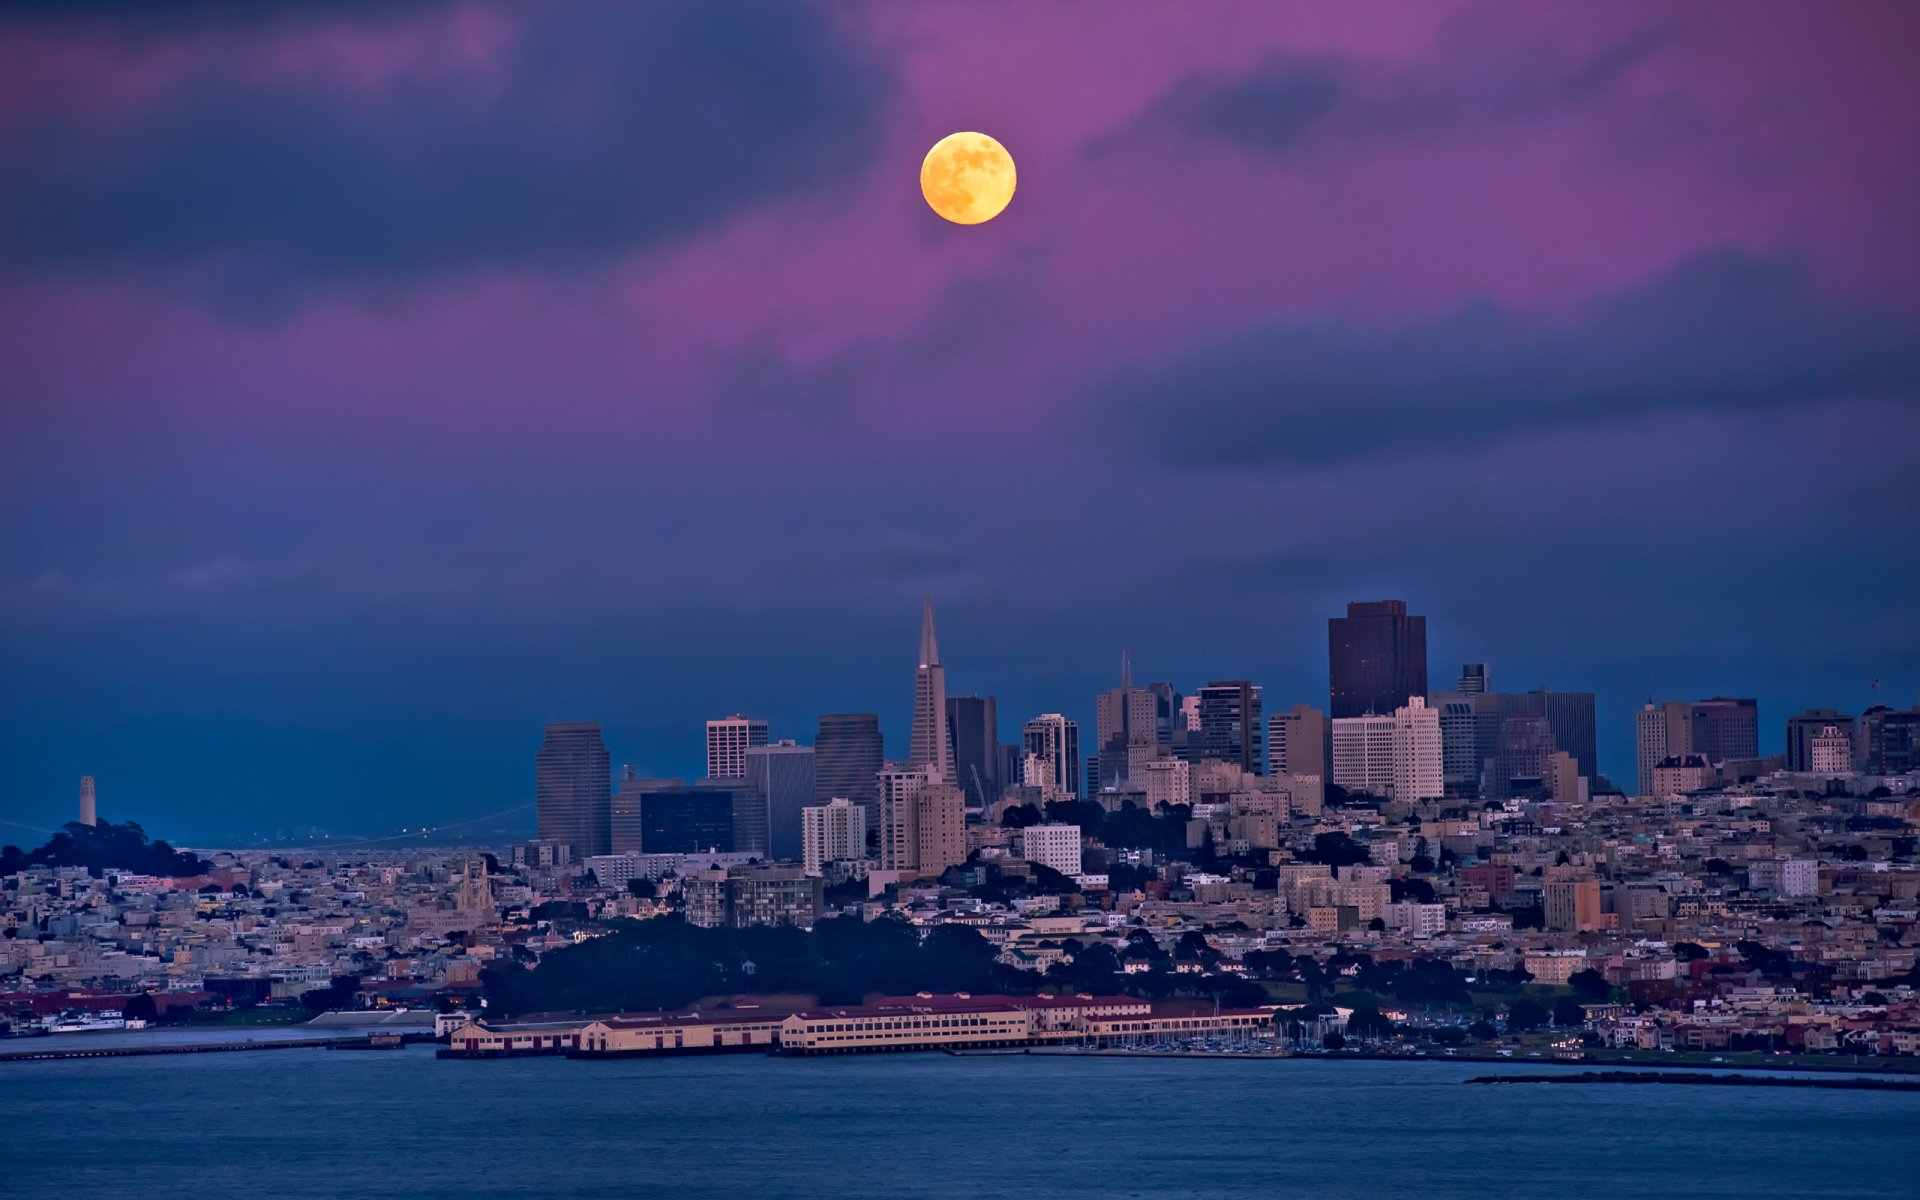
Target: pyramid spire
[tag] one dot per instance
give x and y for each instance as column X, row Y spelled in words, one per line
column 929, row 645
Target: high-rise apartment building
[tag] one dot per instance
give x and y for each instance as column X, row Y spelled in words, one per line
column 832, row 832
column 974, row 724
column 781, row 774
column 1377, row 658
column 573, row 788
column 728, row 741
column 930, row 747
column 1052, row 761
column 1298, row 742
column 1230, row 724
column 940, row 828
column 1168, row 781
column 899, row 821
column 848, row 753
column 1417, row 766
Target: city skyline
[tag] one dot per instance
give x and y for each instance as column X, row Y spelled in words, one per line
column 1590, row 331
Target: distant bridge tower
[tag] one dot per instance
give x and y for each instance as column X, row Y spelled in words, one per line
column 87, row 814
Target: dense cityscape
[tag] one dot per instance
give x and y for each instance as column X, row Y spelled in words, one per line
column 1410, row 870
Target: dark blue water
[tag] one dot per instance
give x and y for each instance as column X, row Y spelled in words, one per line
column 298, row 1124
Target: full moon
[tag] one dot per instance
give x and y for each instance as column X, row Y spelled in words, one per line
column 967, row 178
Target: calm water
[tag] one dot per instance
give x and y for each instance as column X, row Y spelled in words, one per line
column 294, row 1124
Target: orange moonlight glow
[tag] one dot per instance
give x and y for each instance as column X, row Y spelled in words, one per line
column 967, row 178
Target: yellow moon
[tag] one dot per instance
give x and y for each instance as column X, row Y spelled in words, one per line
column 967, row 178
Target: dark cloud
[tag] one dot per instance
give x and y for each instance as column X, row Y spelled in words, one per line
column 1723, row 330
column 1289, row 104
column 606, row 128
column 173, row 18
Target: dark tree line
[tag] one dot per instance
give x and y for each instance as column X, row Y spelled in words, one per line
column 105, row 847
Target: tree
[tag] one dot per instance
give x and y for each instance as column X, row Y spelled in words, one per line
column 641, row 887
column 1689, row 951
column 1526, row 1015
column 140, row 1008
column 1334, row 1041
column 1377, row 925
column 1483, row 1030
column 1449, row 1035
column 1568, row 1013
column 1590, row 985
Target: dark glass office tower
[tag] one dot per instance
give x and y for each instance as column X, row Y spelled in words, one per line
column 1376, row 658
column 1231, row 729
column 973, row 724
column 782, row 776
column 1725, row 729
column 573, row 788
column 847, row 756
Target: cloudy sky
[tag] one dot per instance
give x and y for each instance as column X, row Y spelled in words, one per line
column 381, row 380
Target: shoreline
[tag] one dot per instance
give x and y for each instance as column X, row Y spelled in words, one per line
column 1851, row 1083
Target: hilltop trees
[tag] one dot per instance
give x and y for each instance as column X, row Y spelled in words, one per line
column 105, row 847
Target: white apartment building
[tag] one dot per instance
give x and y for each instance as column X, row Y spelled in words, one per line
column 1055, row 846
column 1418, row 771
column 832, row 832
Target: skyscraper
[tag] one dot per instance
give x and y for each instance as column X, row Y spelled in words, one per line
column 782, row 776
column 848, row 753
column 1230, row 726
column 832, row 832
column 1660, row 730
column 1377, row 657
column 1417, row 771
column 930, row 747
column 1052, row 761
column 1363, row 754
column 1126, row 724
column 973, row 723
column 728, row 741
column 573, row 788
column 1473, row 678
column 1725, row 729
column 1569, row 715
column 899, row 787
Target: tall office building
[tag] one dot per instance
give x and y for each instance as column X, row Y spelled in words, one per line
column 1417, row 770
column 1802, row 729
column 672, row 816
column 1376, row 657
column 1569, row 716
column 1169, row 722
column 930, row 746
column 1725, row 729
column 573, row 788
column 1660, row 730
column 781, row 774
column 1052, row 761
column 1524, row 761
column 1469, row 736
column 973, row 723
column 1889, row 741
column 1298, row 742
column 89, row 813
column 1718, row 730
column 832, row 832
column 1473, row 678
column 1363, row 754
column 848, row 753
column 1230, row 725
column 1126, row 726
column 728, row 741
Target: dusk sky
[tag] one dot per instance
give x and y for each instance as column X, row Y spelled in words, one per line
column 381, row 380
